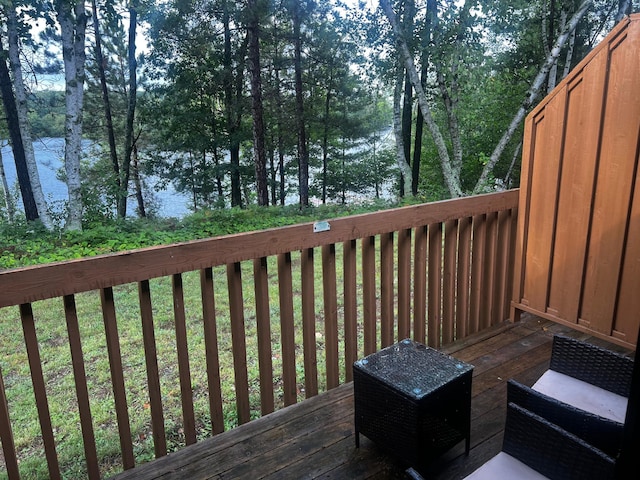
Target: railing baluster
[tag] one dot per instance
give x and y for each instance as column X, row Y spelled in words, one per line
column 37, row 378
column 477, row 255
column 309, row 323
column 238, row 339
column 502, row 266
column 449, row 281
column 263, row 327
column 287, row 329
column 211, row 350
column 182, row 349
column 489, row 270
column 462, row 285
column 387, row 297
column 330, row 315
column 369, row 293
column 153, row 377
column 82, row 392
column 350, row 308
column 6, row 436
column 434, row 304
column 117, row 376
column 404, row 284
column 420, row 285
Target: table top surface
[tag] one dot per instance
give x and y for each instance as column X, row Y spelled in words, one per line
column 412, row 368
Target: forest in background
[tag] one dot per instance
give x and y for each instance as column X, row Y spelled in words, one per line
column 253, row 102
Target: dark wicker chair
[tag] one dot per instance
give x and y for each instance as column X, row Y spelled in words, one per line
column 535, row 448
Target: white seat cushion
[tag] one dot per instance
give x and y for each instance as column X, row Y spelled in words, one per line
column 505, row 467
column 582, row 395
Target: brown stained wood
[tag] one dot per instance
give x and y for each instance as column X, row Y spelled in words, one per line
column 434, row 302
column 6, row 436
column 420, row 285
column 479, row 231
column 463, row 275
column 314, row 439
column 117, row 376
column 449, row 281
column 350, row 308
column 39, row 389
column 263, row 327
column 238, row 340
column 404, row 284
column 287, row 338
column 309, row 324
column 513, row 229
column 500, row 290
column 56, row 280
column 153, row 377
column 330, row 315
column 489, row 271
column 82, row 392
column 387, row 291
column 211, row 349
column 369, row 294
column 184, row 370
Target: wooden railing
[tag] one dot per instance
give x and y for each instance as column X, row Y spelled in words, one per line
column 435, row 272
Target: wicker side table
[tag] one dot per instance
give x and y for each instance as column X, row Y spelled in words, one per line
column 413, row 401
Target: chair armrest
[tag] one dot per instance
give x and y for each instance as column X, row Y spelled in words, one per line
column 592, row 364
column 551, row 450
column 602, row 433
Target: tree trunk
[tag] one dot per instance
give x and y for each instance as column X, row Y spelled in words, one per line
column 11, row 111
column 259, row 148
column 23, row 122
column 6, row 194
column 532, row 94
column 403, row 166
column 624, row 8
column 325, row 136
column 73, row 22
column 125, row 171
column 303, row 152
column 142, row 212
column 106, row 102
column 452, row 182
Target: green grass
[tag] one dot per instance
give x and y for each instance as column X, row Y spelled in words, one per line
column 56, row 363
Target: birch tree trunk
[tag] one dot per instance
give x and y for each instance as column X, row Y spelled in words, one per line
column 6, row 194
column 73, row 22
column 403, row 166
column 451, row 180
column 532, row 94
column 23, row 122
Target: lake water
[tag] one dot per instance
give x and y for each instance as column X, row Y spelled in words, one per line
column 49, row 153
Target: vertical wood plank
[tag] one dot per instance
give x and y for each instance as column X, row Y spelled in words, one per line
column 287, row 339
column 350, row 308
column 513, row 245
column 117, row 376
column 420, row 285
column 386, row 289
column 434, row 306
column 263, row 327
column 39, row 389
column 502, row 267
column 489, row 270
column 463, row 275
column 211, row 350
column 153, row 377
column 477, row 259
column 449, row 281
column 369, row 294
column 404, row 284
column 6, row 436
column 182, row 351
column 238, row 340
column 330, row 314
column 82, row 392
column 309, row 323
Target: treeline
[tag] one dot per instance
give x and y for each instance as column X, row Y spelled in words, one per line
column 272, row 102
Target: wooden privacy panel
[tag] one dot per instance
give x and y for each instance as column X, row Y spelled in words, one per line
column 578, row 246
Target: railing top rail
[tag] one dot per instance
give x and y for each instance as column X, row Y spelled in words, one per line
column 39, row 282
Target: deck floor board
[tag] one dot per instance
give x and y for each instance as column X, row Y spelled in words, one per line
column 315, row 439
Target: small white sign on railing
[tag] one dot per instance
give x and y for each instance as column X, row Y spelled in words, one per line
column 321, row 227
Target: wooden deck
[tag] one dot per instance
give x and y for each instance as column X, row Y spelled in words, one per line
column 314, row 439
